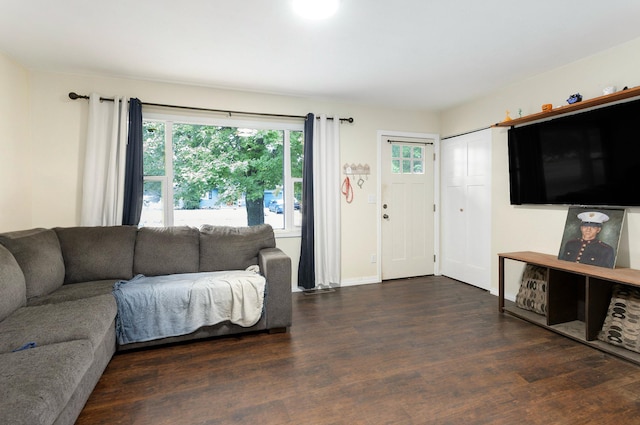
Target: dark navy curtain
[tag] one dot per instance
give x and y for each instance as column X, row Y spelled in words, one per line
column 306, row 267
column 133, row 182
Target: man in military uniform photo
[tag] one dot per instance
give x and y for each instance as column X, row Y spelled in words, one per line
column 589, row 249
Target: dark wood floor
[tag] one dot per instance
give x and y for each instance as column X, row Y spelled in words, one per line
column 418, row 351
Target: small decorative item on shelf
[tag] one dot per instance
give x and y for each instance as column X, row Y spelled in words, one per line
column 507, row 117
column 609, row 90
column 547, row 107
column 574, row 98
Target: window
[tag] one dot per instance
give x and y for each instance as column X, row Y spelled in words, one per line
column 222, row 172
column 407, row 159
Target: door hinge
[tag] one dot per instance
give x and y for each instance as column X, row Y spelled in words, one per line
column 434, row 207
column 434, row 156
column 434, row 258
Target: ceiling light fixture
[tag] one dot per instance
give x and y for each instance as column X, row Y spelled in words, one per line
column 316, row 9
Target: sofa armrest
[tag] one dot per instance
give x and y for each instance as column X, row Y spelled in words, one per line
column 275, row 265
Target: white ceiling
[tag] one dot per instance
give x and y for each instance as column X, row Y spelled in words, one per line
column 417, row 54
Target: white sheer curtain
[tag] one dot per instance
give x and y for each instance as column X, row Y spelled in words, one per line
column 326, row 199
column 104, row 165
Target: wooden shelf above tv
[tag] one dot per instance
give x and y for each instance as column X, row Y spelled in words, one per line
column 589, row 103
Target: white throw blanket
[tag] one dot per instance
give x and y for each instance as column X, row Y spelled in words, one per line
column 163, row 306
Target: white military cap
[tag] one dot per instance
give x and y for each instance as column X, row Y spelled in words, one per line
column 593, row 218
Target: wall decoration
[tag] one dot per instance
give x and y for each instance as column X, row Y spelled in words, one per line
column 592, row 235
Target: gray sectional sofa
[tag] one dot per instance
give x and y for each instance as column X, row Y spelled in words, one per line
column 57, row 310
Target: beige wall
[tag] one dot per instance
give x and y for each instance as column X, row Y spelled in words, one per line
column 15, row 146
column 58, row 128
column 42, row 132
column 539, row 228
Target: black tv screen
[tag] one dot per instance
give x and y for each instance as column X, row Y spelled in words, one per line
column 590, row 158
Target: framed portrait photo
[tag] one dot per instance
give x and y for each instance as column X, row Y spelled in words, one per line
column 592, row 235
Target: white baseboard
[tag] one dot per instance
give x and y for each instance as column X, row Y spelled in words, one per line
column 510, row 297
column 367, row 280
column 349, row 282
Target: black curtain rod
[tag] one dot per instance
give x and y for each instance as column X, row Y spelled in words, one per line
column 74, row 96
column 409, row 142
column 464, row 134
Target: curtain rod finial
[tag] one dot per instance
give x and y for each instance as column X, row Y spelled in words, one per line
column 74, row 96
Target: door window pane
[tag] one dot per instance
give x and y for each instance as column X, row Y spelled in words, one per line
column 395, row 166
column 407, row 159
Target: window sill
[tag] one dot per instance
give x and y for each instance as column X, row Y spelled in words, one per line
column 281, row 233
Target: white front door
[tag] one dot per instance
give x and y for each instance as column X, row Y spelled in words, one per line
column 466, row 208
column 407, row 198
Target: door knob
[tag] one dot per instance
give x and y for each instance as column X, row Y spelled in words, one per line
column 385, row 216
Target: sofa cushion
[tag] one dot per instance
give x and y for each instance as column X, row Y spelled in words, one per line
column 13, row 290
column 532, row 294
column 97, row 253
column 39, row 256
column 38, row 383
column 75, row 291
column 166, row 250
column 89, row 318
column 233, row 248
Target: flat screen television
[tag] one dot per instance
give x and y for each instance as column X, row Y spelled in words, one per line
column 591, row 158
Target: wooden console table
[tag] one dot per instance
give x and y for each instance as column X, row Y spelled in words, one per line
column 578, row 297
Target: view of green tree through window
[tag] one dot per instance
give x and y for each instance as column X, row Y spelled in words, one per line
column 221, row 174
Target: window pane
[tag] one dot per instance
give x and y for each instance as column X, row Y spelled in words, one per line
column 406, row 166
column 274, row 212
column 153, row 148
column 406, row 151
column 223, row 215
column 296, row 141
column 395, row 166
column 221, row 174
column 297, row 209
column 395, row 151
column 417, row 167
column 152, row 205
column 417, row 152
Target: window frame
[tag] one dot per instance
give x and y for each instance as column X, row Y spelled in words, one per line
column 289, row 230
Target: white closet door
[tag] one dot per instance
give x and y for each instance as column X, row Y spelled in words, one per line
column 466, row 208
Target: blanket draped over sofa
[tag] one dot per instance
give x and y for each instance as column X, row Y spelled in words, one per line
column 162, row 306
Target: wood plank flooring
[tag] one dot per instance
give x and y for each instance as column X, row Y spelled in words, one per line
column 419, row 351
